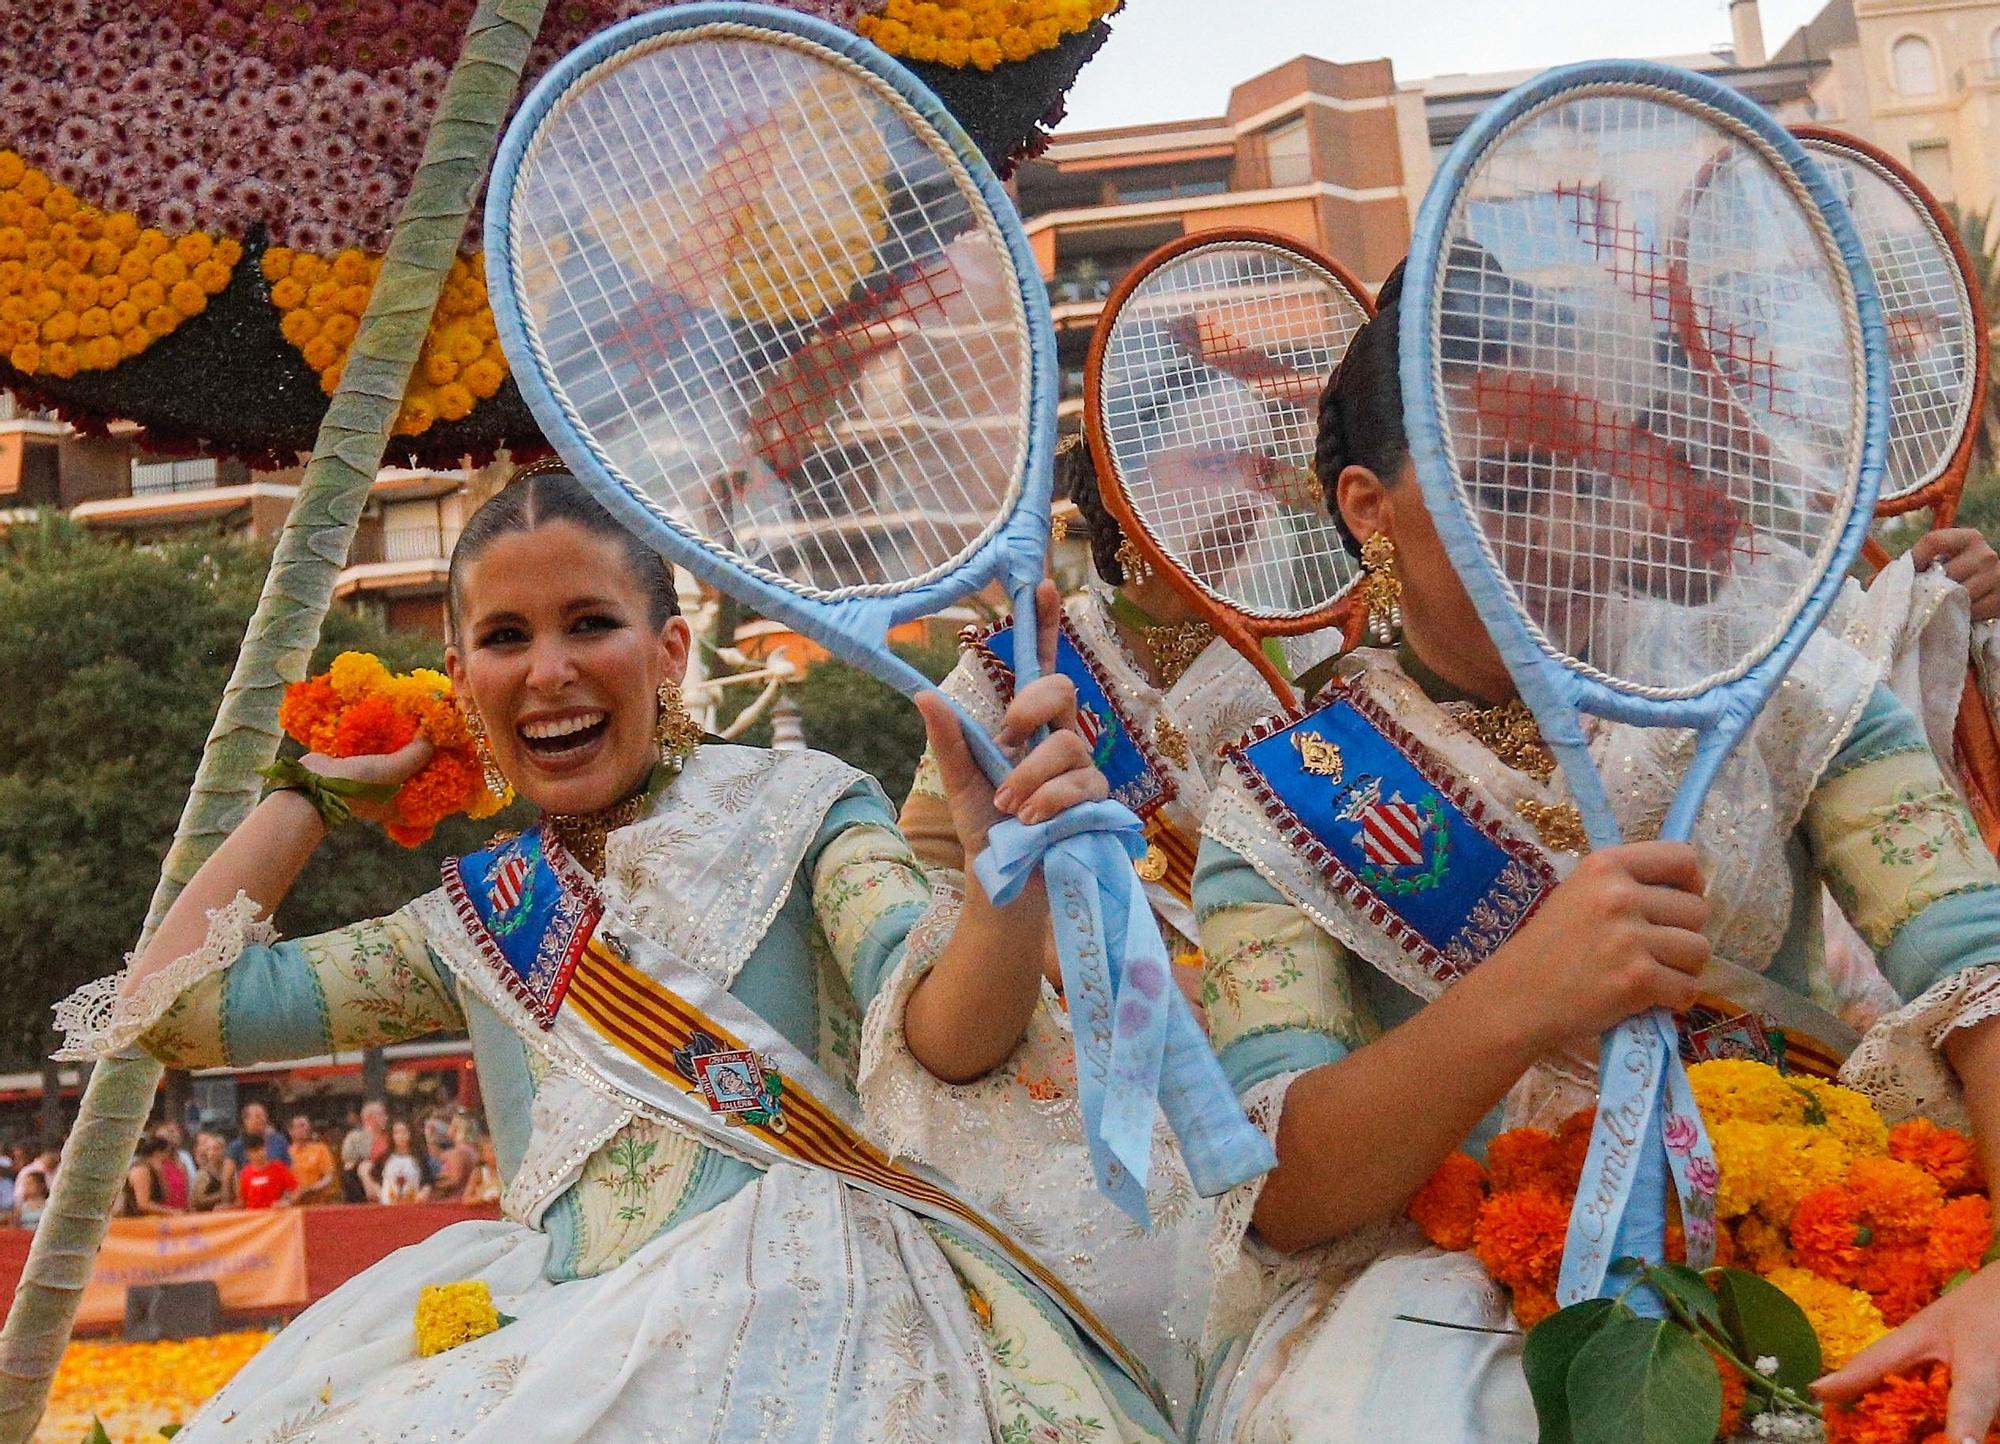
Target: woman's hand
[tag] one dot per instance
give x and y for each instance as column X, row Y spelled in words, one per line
column 1055, row 774
column 385, row 769
column 1969, row 560
column 1623, row 933
column 1962, row 1329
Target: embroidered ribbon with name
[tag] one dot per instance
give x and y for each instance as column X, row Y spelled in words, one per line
column 672, row 1039
column 1393, row 830
column 530, row 910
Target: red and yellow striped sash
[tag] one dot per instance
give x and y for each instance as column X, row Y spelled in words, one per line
column 647, row 1022
column 1177, row 851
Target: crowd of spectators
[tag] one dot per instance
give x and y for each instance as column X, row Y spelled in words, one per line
column 442, row 1155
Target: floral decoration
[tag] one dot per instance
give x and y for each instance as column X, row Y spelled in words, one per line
column 1858, row 1223
column 82, row 290
column 137, row 1389
column 452, row 1314
column 979, row 34
column 358, row 708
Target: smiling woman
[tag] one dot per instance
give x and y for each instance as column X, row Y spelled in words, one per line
column 662, row 983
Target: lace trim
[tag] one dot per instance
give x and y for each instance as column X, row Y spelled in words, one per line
column 104, row 1017
column 1250, row 1275
column 1899, row 1064
column 892, row 1085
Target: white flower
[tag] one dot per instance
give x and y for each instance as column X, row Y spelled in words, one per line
column 1767, row 1365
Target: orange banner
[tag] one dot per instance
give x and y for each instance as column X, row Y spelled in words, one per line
column 257, row 1260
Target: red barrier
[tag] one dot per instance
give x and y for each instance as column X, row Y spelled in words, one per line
column 342, row 1239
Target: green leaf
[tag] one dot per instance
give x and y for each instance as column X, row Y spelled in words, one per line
column 1643, row 1381
column 96, row 1434
column 1688, row 1290
column 1552, row 1346
column 167, row 1431
column 1992, row 1254
column 1764, row 1322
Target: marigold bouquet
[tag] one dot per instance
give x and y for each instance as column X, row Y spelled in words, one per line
column 1859, row 1224
column 358, row 707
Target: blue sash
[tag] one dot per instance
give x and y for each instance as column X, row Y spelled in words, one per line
column 531, row 910
column 1393, row 830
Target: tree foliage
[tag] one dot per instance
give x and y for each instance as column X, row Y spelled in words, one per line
column 111, row 658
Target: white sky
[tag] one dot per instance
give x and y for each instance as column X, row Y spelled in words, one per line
column 1177, row 59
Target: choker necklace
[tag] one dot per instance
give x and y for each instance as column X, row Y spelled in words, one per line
column 582, row 834
column 1171, row 646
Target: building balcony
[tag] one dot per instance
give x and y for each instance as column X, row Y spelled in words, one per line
column 195, row 491
column 404, row 559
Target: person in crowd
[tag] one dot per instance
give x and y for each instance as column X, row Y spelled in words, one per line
column 174, row 1178
column 256, row 1120
column 43, row 1165
column 1367, row 1066
column 176, row 1134
column 404, row 1176
column 214, row 1183
column 31, row 1196
column 312, row 1163
column 369, row 1142
column 484, row 1185
column 143, row 1194
column 452, row 1169
column 7, row 1182
column 264, row 1181
column 657, row 1281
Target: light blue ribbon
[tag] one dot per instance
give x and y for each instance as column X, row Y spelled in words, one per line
column 1139, row 1050
column 1648, row 1128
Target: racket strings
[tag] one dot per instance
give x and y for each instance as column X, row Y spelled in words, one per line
column 779, row 310
column 1209, row 391
column 1652, row 394
column 1927, row 314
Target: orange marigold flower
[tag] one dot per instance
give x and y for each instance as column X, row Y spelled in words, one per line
column 1447, row 1207
column 1943, row 1153
column 404, row 835
column 1734, row 1393
column 1522, row 1158
column 1520, row 1238
column 1533, row 1304
column 370, row 726
column 1762, row 1244
column 1827, row 1233
column 1897, row 1200
column 1960, row 1237
column 309, row 712
column 1898, row 1277
column 1900, row 1409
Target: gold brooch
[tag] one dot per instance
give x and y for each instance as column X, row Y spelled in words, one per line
column 1559, row 824
column 1153, row 866
column 1510, row 732
column 1318, row 756
column 1170, row 741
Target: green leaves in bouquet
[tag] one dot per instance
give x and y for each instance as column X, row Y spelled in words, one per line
column 1601, row 1374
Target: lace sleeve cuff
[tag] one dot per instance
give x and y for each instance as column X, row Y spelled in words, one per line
column 897, row 1092
column 1899, row 1064
column 1250, row 1276
column 103, row 1017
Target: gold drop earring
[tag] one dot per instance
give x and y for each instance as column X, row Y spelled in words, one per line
column 482, row 747
column 1381, row 589
column 677, row 733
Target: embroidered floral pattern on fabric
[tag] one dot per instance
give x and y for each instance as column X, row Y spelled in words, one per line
column 1898, row 1064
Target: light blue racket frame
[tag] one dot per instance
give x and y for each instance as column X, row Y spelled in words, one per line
column 854, row 627
column 1558, row 695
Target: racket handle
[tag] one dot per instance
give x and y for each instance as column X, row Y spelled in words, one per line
column 910, row 682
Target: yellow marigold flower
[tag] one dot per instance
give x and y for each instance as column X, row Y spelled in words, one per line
column 12, row 168
column 121, row 228
column 355, row 674
column 1850, row 1116
column 58, row 272
column 1770, row 1166
column 101, row 353
column 81, row 293
column 452, row 1314
column 148, row 294
column 923, row 46
column 211, row 275
column 1762, row 1243
column 299, row 327
column 339, row 328
column 124, row 316
column 35, row 223
column 11, row 206
column 321, row 352
column 307, row 267
column 354, row 299
column 132, row 341
column 26, row 357
column 104, row 259
column 39, row 255
column 288, row 294
column 76, row 251
column 1016, row 43
column 461, row 345
column 1845, row 1319
column 161, row 320
column 227, row 252
column 33, row 185
column 111, row 290
column 152, row 243
column 134, row 268
column 276, row 263
column 439, row 369
column 1732, row 1088
column 484, row 376
column 59, row 203
column 59, row 358
column 188, row 298
column 416, row 416
column 43, row 304
column 454, row 401
column 169, row 269
column 350, row 268
column 322, row 295
column 93, row 322
column 59, row 327
column 953, row 52
column 194, row 247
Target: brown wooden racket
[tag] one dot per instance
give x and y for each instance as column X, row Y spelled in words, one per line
column 1201, row 401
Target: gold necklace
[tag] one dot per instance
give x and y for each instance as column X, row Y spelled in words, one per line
column 582, row 834
column 1170, row 646
column 1509, row 731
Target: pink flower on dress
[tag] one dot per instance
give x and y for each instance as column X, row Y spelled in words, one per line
column 1681, row 1133
column 1702, row 1173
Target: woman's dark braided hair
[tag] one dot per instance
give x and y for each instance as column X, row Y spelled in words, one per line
column 1076, row 478
column 1361, row 409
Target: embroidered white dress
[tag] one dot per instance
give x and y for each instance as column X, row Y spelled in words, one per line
column 660, row 1288
column 1014, row 1139
column 1837, row 782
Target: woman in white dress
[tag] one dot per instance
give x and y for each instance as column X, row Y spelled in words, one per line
column 661, row 981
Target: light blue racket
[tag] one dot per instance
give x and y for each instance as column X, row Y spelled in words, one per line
column 768, row 302
column 1645, row 383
